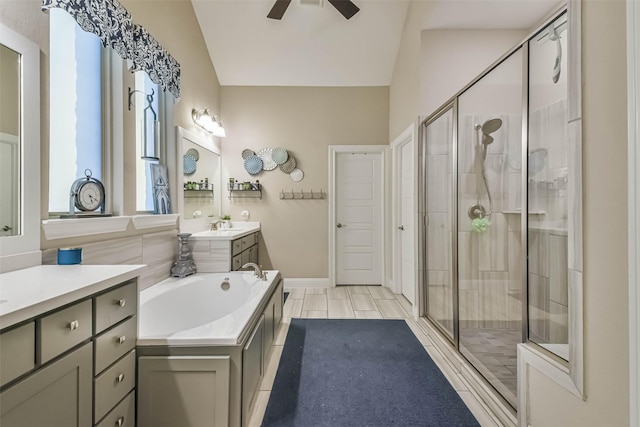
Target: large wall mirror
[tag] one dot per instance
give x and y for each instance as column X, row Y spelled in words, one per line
column 198, row 180
column 19, row 151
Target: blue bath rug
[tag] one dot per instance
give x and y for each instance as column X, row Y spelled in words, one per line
column 375, row 373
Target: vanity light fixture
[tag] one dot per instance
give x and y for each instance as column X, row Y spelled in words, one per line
column 208, row 122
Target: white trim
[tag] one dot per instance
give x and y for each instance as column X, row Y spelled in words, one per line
column 29, row 239
column 334, row 150
column 75, row 227
column 150, row 221
column 529, row 356
column 293, row 283
column 406, row 137
column 633, row 79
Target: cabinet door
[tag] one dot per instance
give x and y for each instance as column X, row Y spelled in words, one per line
column 236, row 262
column 252, row 367
column 183, row 391
column 59, row 395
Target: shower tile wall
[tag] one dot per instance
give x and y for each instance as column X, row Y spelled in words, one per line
column 490, row 271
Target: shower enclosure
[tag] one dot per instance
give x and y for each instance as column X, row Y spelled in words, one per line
column 494, row 262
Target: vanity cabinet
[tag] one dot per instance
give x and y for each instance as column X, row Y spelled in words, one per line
column 224, row 255
column 57, row 395
column 244, row 250
column 74, row 365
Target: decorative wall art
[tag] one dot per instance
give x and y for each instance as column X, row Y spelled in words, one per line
column 268, row 159
column 161, row 198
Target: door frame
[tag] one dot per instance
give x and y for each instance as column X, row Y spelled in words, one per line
column 407, row 137
column 633, row 89
column 334, row 150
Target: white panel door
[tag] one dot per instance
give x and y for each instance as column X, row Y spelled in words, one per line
column 407, row 233
column 359, row 219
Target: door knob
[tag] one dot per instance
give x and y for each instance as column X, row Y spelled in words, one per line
column 6, row 228
column 401, row 228
column 340, row 225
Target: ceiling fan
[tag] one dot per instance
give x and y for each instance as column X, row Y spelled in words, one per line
column 345, row 7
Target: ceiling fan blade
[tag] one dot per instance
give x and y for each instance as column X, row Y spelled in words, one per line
column 346, row 7
column 278, row 9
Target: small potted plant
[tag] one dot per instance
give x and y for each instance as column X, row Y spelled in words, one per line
column 226, row 221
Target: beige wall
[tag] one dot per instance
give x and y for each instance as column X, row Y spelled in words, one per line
column 450, row 59
column 605, row 234
column 304, row 121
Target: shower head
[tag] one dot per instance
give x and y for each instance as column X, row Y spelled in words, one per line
column 490, row 126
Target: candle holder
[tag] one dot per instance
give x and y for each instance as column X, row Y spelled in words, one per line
column 184, row 265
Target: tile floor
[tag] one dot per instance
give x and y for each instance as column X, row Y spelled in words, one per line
column 356, row 302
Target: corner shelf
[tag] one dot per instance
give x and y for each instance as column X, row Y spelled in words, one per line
column 251, row 193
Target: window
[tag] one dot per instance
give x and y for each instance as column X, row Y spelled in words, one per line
column 75, row 106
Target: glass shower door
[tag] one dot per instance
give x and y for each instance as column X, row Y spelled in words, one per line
column 489, row 202
column 438, row 164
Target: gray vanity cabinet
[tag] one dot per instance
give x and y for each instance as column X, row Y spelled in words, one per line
column 253, row 361
column 244, row 250
column 58, row 395
column 272, row 318
column 73, row 366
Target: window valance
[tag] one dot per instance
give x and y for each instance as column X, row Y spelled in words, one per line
column 112, row 23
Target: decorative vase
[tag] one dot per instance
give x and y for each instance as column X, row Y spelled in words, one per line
column 184, row 265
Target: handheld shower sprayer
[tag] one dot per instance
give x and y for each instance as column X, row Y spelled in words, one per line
column 483, row 139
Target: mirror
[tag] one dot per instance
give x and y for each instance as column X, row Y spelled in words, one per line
column 199, row 186
column 9, row 141
column 19, row 151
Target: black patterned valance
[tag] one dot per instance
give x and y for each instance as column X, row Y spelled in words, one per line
column 111, row 22
column 149, row 56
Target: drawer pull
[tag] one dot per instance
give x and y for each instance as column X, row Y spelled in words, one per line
column 120, row 378
column 74, row 325
column 122, row 302
column 121, row 339
column 120, row 421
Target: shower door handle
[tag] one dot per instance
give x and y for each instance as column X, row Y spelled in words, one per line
column 340, row 225
column 401, row 228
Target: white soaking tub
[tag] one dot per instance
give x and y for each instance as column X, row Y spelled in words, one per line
column 203, row 309
column 205, row 338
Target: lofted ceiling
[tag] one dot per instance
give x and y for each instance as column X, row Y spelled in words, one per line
column 314, row 45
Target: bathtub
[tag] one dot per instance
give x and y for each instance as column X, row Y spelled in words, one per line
column 203, row 309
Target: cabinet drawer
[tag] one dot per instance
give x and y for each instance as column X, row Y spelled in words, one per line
column 123, row 415
column 236, row 262
column 250, row 240
column 113, row 384
column 64, row 329
column 114, row 343
column 115, row 306
column 17, row 352
column 236, row 247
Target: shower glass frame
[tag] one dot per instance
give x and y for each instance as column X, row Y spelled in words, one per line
column 573, row 364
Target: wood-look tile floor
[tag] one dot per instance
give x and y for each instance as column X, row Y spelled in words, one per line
column 355, row 302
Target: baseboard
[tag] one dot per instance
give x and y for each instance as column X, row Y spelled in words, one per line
column 293, row 283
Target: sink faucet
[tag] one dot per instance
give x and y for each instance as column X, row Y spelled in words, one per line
column 258, row 271
column 214, row 225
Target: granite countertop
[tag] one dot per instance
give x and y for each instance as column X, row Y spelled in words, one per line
column 30, row 292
